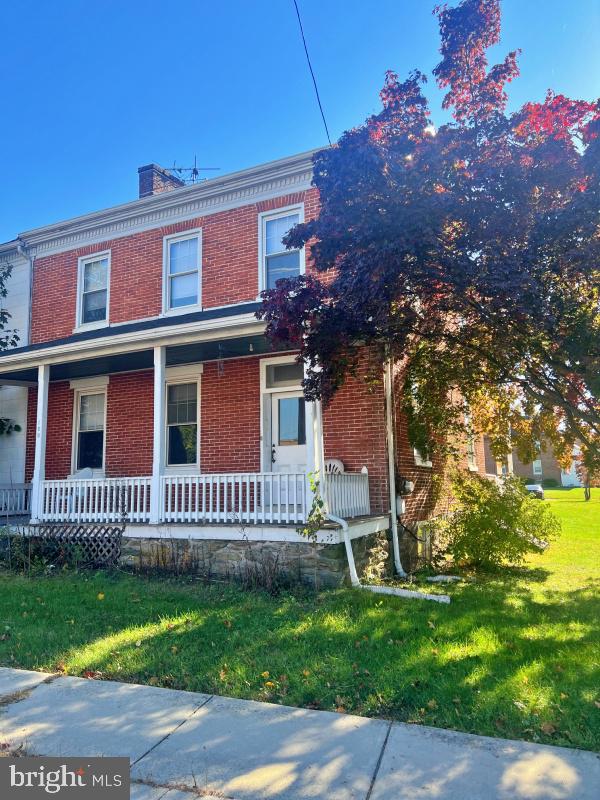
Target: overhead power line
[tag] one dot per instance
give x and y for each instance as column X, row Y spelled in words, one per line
column 314, row 80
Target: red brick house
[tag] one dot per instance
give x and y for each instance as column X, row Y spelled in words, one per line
column 152, row 388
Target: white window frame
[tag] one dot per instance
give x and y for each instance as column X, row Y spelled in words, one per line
column 83, row 387
column 263, row 218
column 178, row 376
column 419, row 460
column 536, row 465
column 471, row 452
column 81, row 262
column 196, row 233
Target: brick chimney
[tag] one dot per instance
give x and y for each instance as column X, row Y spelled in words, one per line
column 155, row 179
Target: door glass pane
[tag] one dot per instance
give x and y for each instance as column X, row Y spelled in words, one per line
column 184, row 290
column 276, row 229
column 183, row 256
column 182, row 444
column 94, row 306
column 286, row 265
column 292, row 429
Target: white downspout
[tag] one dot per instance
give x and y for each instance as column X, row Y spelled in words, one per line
column 387, row 380
column 393, row 590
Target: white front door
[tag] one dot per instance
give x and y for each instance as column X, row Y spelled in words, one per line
column 288, row 432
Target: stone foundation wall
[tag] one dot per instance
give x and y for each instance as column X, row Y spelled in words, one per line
column 321, row 566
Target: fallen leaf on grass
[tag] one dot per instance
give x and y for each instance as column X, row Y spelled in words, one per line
column 432, row 705
column 100, row 596
column 548, row 728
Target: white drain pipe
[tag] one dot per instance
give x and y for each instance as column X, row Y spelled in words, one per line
column 387, row 380
column 393, row 590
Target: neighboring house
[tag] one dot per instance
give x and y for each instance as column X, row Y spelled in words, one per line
column 154, row 391
column 13, row 399
column 546, row 468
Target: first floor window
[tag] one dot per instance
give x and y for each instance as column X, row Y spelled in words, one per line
column 421, row 460
column 537, row 464
column 471, row 454
column 90, row 431
column 182, row 424
column 279, row 262
column 94, row 290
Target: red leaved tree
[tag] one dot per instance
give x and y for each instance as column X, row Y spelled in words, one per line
column 471, row 252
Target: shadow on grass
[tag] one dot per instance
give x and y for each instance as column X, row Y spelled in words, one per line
column 509, row 657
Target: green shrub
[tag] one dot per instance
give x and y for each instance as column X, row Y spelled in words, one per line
column 550, row 483
column 494, row 524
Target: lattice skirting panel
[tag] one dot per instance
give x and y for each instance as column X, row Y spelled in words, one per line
column 93, row 545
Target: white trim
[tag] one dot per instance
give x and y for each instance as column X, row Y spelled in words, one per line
column 263, row 218
column 191, row 371
column 81, row 262
column 41, row 428
column 200, row 331
column 78, row 394
column 96, row 382
column 195, row 233
column 246, row 187
column 419, row 460
column 256, row 533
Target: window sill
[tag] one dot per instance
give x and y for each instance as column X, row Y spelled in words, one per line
column 178, row 312
column 90, row 326
column 183, row 470
column 425, row 464
column 473, row 468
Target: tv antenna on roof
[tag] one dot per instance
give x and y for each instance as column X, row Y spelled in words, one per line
column 191, row 174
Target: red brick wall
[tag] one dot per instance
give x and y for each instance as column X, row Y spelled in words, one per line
column 129, row 424
column 60, row 431
column 229, row 422
column 427, row 497
column 354, row 431
column 229, row 268
column 230, row 416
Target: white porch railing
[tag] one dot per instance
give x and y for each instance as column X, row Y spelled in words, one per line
column 347, row 494
column 96, row 500
column 15, row 498
column 244, row 497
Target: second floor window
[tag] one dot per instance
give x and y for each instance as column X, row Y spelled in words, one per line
column 93, row 283
column 182, row 272
column 278, row 261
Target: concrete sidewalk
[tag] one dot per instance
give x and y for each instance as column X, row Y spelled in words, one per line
column 183, row 745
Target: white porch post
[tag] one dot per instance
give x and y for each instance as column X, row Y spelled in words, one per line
column 41, row 426
column 158, row 452
column 314, row 448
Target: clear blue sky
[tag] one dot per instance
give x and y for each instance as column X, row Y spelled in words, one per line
column 92, row 89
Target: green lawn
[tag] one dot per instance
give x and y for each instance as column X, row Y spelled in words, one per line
column 516, row 655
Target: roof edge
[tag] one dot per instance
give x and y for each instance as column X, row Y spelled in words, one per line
column 212, row 187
